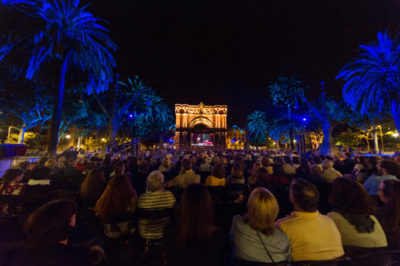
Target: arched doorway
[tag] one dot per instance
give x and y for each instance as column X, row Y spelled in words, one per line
column 201, row 136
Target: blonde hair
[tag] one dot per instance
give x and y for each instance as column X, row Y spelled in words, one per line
column 155, row 181
column 263, row 210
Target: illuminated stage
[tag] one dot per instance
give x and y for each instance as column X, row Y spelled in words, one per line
column 200, row 126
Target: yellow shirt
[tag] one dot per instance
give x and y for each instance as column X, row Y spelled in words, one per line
column 312, row 236
column 213, row 181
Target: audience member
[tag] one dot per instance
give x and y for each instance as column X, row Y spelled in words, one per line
column 254, row 236
column 353, row 215
column 324, row 243
column 329, row 174
column 387, row 170
column 217, row 179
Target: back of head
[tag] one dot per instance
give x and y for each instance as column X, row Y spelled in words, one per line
column 93, row 183
column 119, row 167
column 11, row 174
column 186, row 164
column 326, row 164
column 392, row 168
column 348, row 155
column 305, row 194
column 155, row 181
column 42, row 161
column 347, row 195
column 287, row 159
column 265, row 161
column 49, row 224
column 219, row 171
column 196, row 214
column 262, row 178
column 237, row 170
column 263, row 209
column 118, row 196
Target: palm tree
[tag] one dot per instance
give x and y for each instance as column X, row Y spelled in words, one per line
column 373, row 79
column 257, row 126
column 72, row 41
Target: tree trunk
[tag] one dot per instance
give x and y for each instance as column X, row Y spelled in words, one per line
column 396, row 115
column 55, row 122
column 368, row 148
column 376, row 145
column 291, row 130
column 79, row 142
column 325, row 147
column 21, row 135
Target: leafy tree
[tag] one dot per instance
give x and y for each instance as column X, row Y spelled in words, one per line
column 257, row 127
column 328, row 112
column 372, row 80
column 25, row 100
column 70, row 40
column 287, row 92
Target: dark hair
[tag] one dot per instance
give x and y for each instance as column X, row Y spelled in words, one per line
column 219, row 171
column 118, row 167
column 49, row 224
column 348, row 154
column 262, row 178
column 305, row 194
column 350, row 196
column 118, row 196
column 9, row 176
column 287, row 159
column 186, row 164
column 265, row 161
column 42, row 161
column 93, row 185
column 391, row 167
column 196, row 221
column 317, row 159
column 237, row 171
column 391, row 218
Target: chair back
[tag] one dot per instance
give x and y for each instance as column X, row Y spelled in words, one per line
column 342, row 261
column 217, row 194
column 240, row 262
column 375, row 256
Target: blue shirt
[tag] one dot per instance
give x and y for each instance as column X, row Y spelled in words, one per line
column 372, row 183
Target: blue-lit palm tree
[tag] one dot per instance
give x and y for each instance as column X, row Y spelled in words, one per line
column 373, row 79
column 257, row 127
column 73, row 41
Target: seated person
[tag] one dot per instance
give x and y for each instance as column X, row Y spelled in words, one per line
column 387, row 170
column 155, row 198
column 186, row 178
column 254, row 236
column 115, row 208
column 329, row 174
column 389, row 214
column 312, row 236
column 217, row 179
column 47, row 231
column 92, row 188
column 12, row 186
column 353, row 215
column 194, row 240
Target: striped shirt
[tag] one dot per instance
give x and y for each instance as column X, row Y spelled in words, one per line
column 153, row 229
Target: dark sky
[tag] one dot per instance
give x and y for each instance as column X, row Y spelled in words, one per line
column 226, row 52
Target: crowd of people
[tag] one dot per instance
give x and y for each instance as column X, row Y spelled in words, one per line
column 197, row 208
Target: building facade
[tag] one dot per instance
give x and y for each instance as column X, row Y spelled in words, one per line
column 200, row 126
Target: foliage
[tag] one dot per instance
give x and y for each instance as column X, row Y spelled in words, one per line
column 372, row 80
column 348, row 138
column 257, row 127
column 287, row 91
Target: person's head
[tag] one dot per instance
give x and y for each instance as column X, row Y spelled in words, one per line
column 186, row 164
column 166, row 162
column 263, row 210
column 93, row 184
column 315, row 169
column 42, row 161
column 144, row 166
column 350, row 196
column 196, row 220
column 218, row 171
column 61, row 162
column 237, row 170
column 51, row 163
column 347, row 155
column 50, row 224
column 265, row 161
column 326, row 164
column 119, row 167
column 388, row 167
column 118, row 196
column 316, row 159
column 304, row 195
column 155, row 181
column 12, row 175
column 389, row 192
column 287, row 159
column 262, row 178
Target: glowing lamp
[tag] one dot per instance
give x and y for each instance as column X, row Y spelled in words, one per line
column 304, row 119
column 396, row 135
column 68, row 136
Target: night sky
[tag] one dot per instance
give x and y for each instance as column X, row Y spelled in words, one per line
column 226, row 52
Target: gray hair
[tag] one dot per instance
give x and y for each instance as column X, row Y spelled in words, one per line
column 155, row 181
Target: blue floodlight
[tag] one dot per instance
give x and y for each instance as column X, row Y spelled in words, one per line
column 130, row 115
column 304, row 119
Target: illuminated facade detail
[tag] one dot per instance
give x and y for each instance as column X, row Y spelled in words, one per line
column 200, row 126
